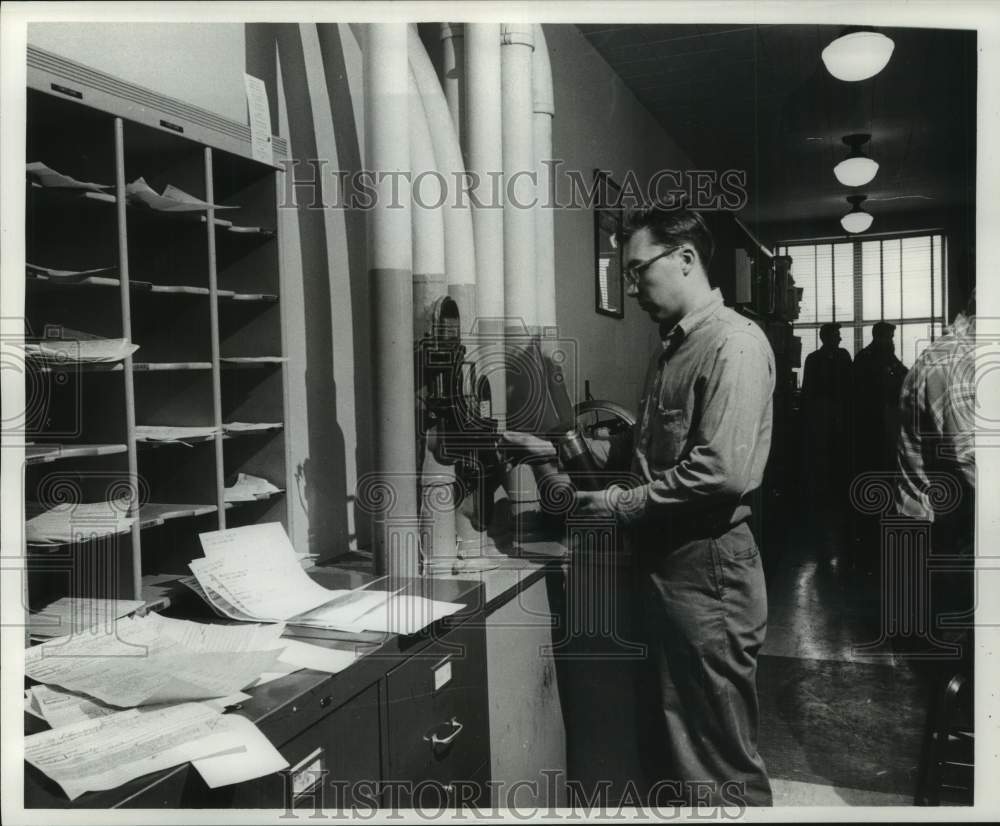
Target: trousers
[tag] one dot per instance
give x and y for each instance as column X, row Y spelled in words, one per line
column 702, row 616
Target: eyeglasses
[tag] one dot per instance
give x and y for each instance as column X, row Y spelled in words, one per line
column 633, row 273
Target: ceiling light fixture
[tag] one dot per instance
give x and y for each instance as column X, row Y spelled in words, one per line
column 858, row 55
column 856, row 169
column 857, row 220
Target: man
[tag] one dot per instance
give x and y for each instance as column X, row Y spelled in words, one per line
column 878, row 379
column 700, row 445
column 936, row 450
column 826, row 406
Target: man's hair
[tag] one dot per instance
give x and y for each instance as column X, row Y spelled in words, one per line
column 672, row 227
column 883, row 330
column 828, row 330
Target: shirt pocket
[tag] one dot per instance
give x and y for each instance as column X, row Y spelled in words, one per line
column 668, row 436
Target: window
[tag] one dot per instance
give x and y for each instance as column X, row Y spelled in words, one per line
column 856, row 283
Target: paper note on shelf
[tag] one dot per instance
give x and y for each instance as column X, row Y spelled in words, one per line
column 71, row 614
column 108, row 751
column 69, row 276
column 172, row 200
column 49, row 178
column 248, row 488
column 81, row 522
column 260, row 119
column 249, row 427
column 170, row 433
column 76, row 347
column 254, row 359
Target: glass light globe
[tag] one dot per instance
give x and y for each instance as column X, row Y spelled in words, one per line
column 856, row 171
column 858, row 56
column 856, row 221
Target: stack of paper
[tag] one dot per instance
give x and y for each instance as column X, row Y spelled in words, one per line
column 76, row 522
column 248, row 488
column 44, row 176
column 70, row 276
column 170, row 433
column 172, row 200
column 79, row 347
column 249, row 427
column 71, row 614
column 152, row 660
column 252, row 574
column 107, row 751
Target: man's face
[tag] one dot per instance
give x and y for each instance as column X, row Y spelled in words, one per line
column 659, row 287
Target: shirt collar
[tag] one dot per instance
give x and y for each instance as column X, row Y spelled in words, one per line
column 693, row 319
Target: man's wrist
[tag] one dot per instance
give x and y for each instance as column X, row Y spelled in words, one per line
column 627, row 504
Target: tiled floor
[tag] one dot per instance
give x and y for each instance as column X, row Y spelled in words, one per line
column 838, row 727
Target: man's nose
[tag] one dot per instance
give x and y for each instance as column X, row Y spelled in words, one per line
column 631, row 288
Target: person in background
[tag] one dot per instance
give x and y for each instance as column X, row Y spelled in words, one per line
column 878, row 379
column 826, row 416
column 937, row 439
column 700, row 447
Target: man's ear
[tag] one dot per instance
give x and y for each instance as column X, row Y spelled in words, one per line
column 687, row 259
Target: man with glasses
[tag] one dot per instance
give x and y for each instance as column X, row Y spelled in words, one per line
column 700, row 447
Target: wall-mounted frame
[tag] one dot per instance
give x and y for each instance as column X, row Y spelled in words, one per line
column 609, row 281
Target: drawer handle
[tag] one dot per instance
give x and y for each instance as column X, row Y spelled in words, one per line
column 434, row 740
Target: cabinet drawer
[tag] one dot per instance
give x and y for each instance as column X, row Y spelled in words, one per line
column 438, row 716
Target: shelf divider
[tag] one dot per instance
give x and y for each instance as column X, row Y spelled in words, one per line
column 123, row 275
column 213, row 290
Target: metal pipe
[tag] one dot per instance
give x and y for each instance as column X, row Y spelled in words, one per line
column 453, row 74
column 545, row 243
column 460, row 255
column 437, row 481
column 390, row 265
column 520, row 303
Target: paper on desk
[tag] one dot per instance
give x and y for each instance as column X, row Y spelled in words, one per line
column 136, row 664
column 64, row 708
column 316, row 657
column 404, row 614
column 204, row 636
column 75, row 522
column 256, row 757
column 51, row 179
column 71, row 614
column 106, row 752
column 268, row 539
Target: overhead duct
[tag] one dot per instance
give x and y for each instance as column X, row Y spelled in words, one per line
column 437, row 481
column 390, row 263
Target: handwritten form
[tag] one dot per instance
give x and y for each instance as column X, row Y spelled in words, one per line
column 136, row 664
column 106, row 752
column 260, row 119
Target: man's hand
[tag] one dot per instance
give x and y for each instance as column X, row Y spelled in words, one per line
column 598, row 503
column 526, row 446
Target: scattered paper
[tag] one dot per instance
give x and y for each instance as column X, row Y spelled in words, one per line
column 403, row 614
column 256, row 756
column 51, row 179
column 170, row 433
column 108, row 751
column 248, row 488
column 64, row 708
column 80, row 522
column 136, row 663
column 71, row 614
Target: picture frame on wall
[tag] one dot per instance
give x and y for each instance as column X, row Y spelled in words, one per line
column 609, row 280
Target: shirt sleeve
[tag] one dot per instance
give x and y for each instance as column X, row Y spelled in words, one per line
column 730, row 440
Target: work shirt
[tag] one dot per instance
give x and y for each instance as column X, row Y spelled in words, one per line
column 704, row 430
column 936, row 439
